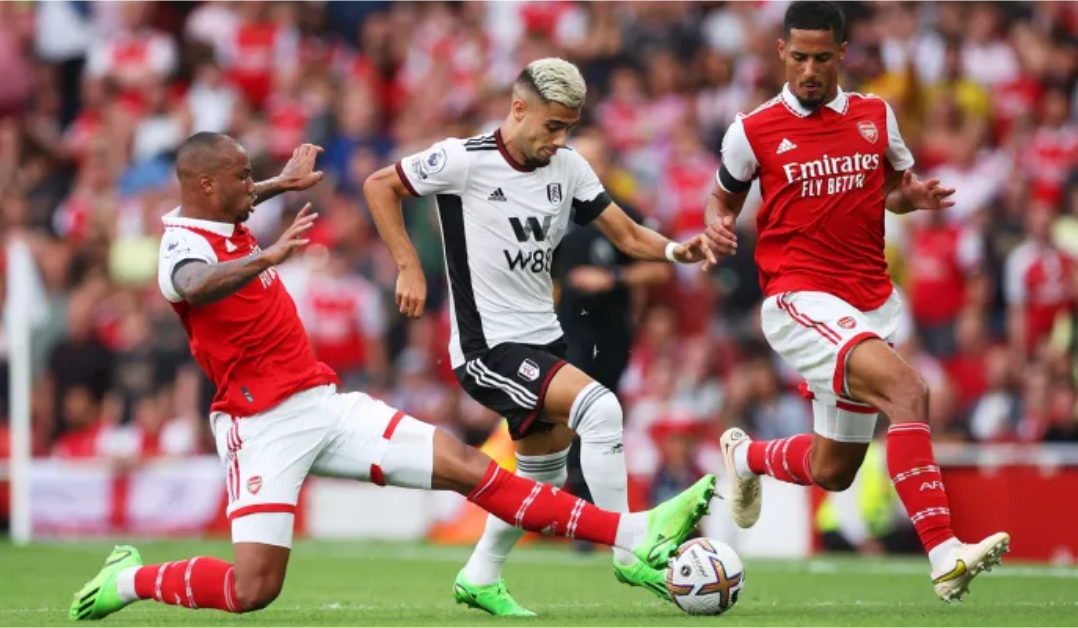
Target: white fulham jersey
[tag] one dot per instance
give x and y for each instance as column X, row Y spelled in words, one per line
column 501, row 222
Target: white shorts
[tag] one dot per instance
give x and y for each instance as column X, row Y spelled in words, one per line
column 318, row 431
column 814, row 332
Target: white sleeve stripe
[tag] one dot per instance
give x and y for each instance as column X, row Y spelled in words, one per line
column 738, row 158
column 897, row 152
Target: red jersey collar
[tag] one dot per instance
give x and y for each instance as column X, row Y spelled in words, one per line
column 839, row 104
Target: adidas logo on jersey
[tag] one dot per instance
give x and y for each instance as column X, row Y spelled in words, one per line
column 229, row 246
column 784, row 146
column 498, row 196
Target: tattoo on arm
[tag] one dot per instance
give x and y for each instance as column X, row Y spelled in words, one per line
column 200, row 283
column 265, row 190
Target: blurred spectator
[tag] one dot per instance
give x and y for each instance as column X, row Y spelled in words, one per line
column 995, row 414
column 678, row 440
column 1039, row 282
column 80, row 413
column 345, row 319
column 944, row 271
column 135, row 56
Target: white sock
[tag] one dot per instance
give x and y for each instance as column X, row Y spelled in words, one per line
column 485, row 564
column 632, row 528
column 596, row 416
column 741, row 461
column 939, row 556
column 125, row 585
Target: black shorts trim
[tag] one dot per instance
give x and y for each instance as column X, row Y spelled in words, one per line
column 512, row 380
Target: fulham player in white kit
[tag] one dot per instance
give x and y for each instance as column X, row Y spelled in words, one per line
column 829, row 162
column 278, row 417
column 504, row 201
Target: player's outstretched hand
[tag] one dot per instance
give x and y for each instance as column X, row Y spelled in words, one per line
column 293, row 239
column 696, row 249
column 721, row 239
column 925, row 194
column 411, row 292
column 299, row 173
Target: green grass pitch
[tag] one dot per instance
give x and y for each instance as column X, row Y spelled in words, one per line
column 357, row 584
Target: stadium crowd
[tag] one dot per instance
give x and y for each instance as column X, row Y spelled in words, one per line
column 95, row 97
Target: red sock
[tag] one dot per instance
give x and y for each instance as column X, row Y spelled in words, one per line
column 785, row 459
column 200, row 582
column 542, row 508
column 918, row 482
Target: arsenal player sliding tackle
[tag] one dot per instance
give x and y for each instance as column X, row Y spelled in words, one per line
column 277, row 415
column 829, row 162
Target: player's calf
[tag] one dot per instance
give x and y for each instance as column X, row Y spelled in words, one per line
column 834, row 464
column 260, row 570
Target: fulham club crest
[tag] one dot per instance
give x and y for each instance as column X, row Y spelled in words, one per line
column 553, row 193
column 868, row 131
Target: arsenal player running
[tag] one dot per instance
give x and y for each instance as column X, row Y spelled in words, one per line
column 829, row 162
column 278, row 417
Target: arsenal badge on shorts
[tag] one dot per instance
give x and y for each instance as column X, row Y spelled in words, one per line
column 847, row 322
column 254, row 484
column 868, row 130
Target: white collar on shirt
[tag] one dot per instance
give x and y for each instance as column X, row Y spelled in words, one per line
column 174, row 219
column 839, row 104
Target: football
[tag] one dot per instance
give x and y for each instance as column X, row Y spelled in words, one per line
column 705, row 577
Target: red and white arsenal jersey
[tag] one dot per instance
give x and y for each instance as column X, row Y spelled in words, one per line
column 253, row 53
column 251, row 344
column 1038, row 278
column 342, row 314
column 130, row 54
column 821, row 178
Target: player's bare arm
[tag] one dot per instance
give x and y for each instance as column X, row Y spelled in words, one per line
column 384, row 191
column 297, row 175
column 639, row 242
column 201, row 283
column 720, row 214
column 905, row 193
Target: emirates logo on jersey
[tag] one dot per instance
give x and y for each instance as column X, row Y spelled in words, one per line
column 831, row 175
column 868, row 131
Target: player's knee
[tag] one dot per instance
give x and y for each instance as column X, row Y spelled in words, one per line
column 596, row 415
column 257, row 592
column 549, row 469
column 833, row 475
column 457, row 467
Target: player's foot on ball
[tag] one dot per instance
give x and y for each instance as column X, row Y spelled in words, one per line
column 670, row 523
column 966, row 560
column 99, row 598
column 492, row 598
column 640, row 574
column 743, row 497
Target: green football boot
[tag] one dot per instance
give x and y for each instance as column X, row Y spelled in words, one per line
column 671, row 522
column 99, row 598
column 640, row 574
column 492, row 598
